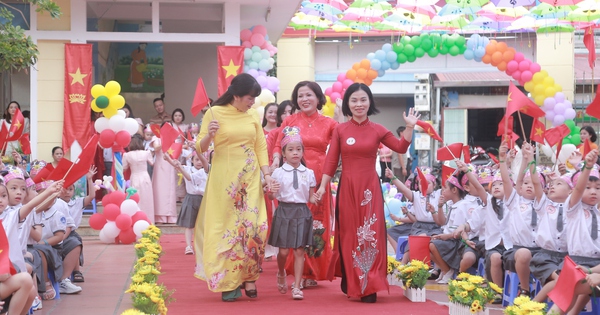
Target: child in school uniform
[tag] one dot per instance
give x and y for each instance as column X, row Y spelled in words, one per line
column 294, row 186
column 195, row 184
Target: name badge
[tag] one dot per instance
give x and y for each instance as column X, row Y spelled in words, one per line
column 350, row 141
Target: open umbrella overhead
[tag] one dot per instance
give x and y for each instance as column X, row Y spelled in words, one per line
column 512, row 3
column 561, row 2
column 547, row 11
column 418, row 6
column 338, row 4
column 502, row 13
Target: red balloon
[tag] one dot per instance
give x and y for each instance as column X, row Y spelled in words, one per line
column 123, row 138
column 107, row 138
column 118, row 197
column 97, row 221
column 135, row 197
column 127, row 236
column 123, row 221
column 106, row 200
column 140, row 215
column 111, row 212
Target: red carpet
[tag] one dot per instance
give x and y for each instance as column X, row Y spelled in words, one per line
column 193, row 297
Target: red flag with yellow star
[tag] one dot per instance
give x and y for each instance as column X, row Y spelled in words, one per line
column 505, row 125
column 447, row 171
column 6, row 267
column 557, row 134
column 168, row 135
column 594, row 108
column 230, row 62
column 25, row 144
column 450, row 152
column 429, row 130
column 423, row 184
column 16, row 127
column 517, row 101
column 175, row 150
column 538, row 131
column 77, row 94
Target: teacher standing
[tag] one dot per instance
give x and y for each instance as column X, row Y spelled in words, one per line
column 360, row 236
column 229, row 249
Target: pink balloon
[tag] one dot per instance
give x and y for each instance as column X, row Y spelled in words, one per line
column 328, row 91
column 517, row 75
column 260, row 29
column 337, row 87
column 346, row 83
column 524, row 65
column 257, row 39
column 512, row 66
column 334, row 96
column 341, row 77
column 535, row 67
column 526, row 76
column 519, row 57
column 247, row 44
column 245, row 35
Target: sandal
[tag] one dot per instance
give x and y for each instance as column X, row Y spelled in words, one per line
column 281, row 284
column 523, row 292
column 189, row 250
column 78, row 276
column 297, row 294
column 252, row 293
column 50, row 294
column 307, row 283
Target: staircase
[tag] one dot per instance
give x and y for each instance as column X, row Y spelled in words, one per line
column 86, row 231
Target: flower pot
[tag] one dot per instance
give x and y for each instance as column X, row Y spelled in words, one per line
column 393, row 280
column 459, row 309
column 415, row 295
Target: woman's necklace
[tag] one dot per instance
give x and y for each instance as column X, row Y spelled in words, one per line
column 310, row 122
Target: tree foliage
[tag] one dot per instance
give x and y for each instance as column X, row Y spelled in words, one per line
column 17, row 50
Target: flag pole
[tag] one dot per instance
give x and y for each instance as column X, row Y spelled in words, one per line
column 453, row 156
column 522, row 128
column 54, row 195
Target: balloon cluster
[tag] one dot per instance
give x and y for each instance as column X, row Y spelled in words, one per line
column 559, row 110
column 258, row 56
column 122, row 220
column 329, row 107
column 116, row 131
column 107, row 99
column 476, row 47
column 573, row 137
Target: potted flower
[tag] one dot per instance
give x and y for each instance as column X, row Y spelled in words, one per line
column 392, row 271
column 523, row 305
column 414, row 276
column 469, row 294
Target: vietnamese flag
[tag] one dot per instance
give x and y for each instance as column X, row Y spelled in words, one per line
column 72, row 172
column 230, row 62
column 25, row 144
column 3, row 136
column 562, row 294
column 588, row 41
column 43, row 174
column 77, row 124
column 538, row 129
column 466, row 151
column 510, row 138
column 593, row 109
column 200, row 98
column 155, row 129
column 16, row 127
column 517, row 101
column 6, row 266
column 429, row 130
column 168, row 135
column 556, row 134
column 587, row 147
column 447, row 171
column 423, row 184
column 505, row 126
column 174, row 150
column 450, row 152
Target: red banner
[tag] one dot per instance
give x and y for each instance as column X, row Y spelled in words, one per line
column 78, row 83
column 230, row 63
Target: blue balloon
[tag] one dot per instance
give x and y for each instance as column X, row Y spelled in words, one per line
column 395, row 206
column 386, row 47
column 471, row 44
column 395, row 65
column 376, row 64
column 380, row 73
column 380, row 54
column 385, row 65
column 477, row 59
column 479, row 52
column 371, row 56
column 384, row 188
column 391, row 56
column 469, row 54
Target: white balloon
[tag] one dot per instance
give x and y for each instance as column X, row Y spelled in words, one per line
column 116, row 123
column 101, row 124
column 121, row 113
column 547, row 150
column 139, row 226
column 393, row 191
column 129, row 207
column 261, row 112
column 266, row 97
column 565, row 152
column 131, row 126
column 111, row 230
column 105, row 239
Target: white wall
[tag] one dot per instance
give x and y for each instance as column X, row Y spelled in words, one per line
column 390, row 112
column 20, row 86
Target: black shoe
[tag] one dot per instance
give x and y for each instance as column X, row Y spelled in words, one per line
column 434, row 274
column 371, row 298
column 250, row 293
column 497, row 300
column 344, row 285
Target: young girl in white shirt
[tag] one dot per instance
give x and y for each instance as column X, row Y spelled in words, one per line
column 294, row 186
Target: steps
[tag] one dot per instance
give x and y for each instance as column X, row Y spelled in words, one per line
column 87, row 232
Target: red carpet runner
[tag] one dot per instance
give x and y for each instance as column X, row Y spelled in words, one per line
column 193, row 297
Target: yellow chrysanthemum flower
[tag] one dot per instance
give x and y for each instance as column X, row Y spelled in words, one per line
column 476, row 279
column 473, row 310
column 463, row 275
column 133, row 311
column 475, row 304
column 467, row 286
column 495, row 287
column 521, row 299
column 464, row 294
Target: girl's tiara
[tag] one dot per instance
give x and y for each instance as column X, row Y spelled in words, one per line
column 593, row 173
column 484, row 175
column 427, row 172
column 291, row 134
column 465, row 179
column 194, row 127
column 147, row 129
column 43, row 185
column 454, row 181
column 13, row 173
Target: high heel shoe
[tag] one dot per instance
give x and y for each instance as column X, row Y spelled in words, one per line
column 253, row 293
column 281, row 283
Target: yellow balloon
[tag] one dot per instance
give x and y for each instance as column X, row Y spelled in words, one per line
column 557, row 87
column 95, row 107
column 328, row 111
column 538, row 77
column 109, row 112
column 327, row 99
column 117, row 101
column 529, row 86
column 112, row 88
column 97, row 90
column 550, row 91
column 549, row 81
column 539, row 100
column 539, row 89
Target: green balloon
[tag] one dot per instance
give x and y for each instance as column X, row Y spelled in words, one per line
column 460, row 41
column 436, row 39
column 443, row 50
column 426, row 44
column 419, row 52
column 415, row 41
column 412, row 58
column 102, row 102
column 576, row 139
column 570, row 123
column 566, row 140
column 405, row 40
column 462, row 49
column 432, row 53
column 401, row 58
column 454, row 51
column 397, row 47
column 449, row 42
column 409, row 50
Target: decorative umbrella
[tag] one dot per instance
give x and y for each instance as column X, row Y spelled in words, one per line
column 351, row 27
column 561, row 2
column 418, row 6
column 489, row 24
column 338, row 4
column 450, row 9
column 583, row 15
column 547, row 11
column 301, row 21
column 401, row 15
column 502, row 13
column 322, row 7
column 352, row 17
column 467, row 3
column 319, row 14
column 401, row 26
column 512, row 3
column 448, row 22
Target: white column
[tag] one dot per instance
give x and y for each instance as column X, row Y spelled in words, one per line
column 155, row 17
column 33, row 90
column 78, row 21
column 231, row 21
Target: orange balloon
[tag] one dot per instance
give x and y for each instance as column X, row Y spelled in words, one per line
column 490, row 48
column 361, row 73
column 351, row 74
column 365, row 64
column 356, row 66
column 368, row 81
column 501, row 46
column 502, row 66
column 487, row 59
column 371, row 74
column 496, row 58
column 359, row 80
column 508, row 55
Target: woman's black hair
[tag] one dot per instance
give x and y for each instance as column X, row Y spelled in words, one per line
column 315, row 88
column 264, row 122
column 56, row 148
column 591, row 131
column 137, row 143
column 7, row 115
column 177, row 110
column 281, row 110
column 242, row 84
column 353, row 88
column 129, row 109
